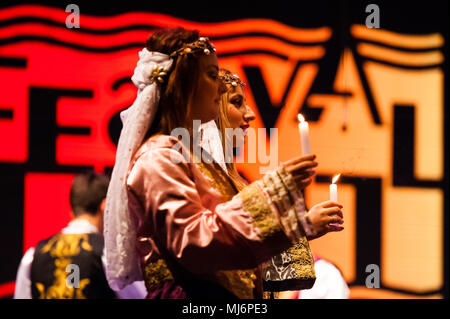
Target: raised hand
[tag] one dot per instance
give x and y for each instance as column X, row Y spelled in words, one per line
column 301, row 168
column 324, row 218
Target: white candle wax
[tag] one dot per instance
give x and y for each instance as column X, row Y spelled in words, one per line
column 304, row 137
column 333, row 192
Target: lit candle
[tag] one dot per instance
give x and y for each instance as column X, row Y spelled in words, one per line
column 333, row 188
column 303, row 128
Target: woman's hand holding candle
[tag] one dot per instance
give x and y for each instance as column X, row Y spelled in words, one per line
column 324, row 218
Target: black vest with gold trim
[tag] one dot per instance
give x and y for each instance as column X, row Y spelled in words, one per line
column 69, row 266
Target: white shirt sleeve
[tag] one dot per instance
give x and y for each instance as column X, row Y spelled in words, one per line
column 23, row 279
column 136, row 290
column 329, row 283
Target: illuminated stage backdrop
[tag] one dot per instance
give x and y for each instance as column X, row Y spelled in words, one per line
column 374, row 100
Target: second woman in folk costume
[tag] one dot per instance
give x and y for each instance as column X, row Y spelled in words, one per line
column 291, row 270
column 170, row 218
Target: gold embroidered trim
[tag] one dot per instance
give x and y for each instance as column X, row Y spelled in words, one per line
column 239, row 282
column 64, row 246
column 255, row 202
column 219, row 181
column 293, row 269
column 271, row 295
column 302, row 259
column 156, row 273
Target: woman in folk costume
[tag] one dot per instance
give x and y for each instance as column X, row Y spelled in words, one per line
column 290, row 270
column 169, row 217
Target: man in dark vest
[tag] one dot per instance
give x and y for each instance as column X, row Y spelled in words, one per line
column 70, row 264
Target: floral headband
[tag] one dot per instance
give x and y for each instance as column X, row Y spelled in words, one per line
column 201, row 46
column 232, row 79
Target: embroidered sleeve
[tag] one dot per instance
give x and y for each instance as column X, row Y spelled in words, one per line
column 293, row 269
column 253, row 226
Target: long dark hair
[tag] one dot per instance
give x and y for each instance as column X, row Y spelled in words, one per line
column 179, row 88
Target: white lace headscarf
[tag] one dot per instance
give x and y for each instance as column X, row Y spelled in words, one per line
column 122, row 262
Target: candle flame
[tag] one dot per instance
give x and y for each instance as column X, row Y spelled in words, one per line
column 335, row 178
column 300, row 118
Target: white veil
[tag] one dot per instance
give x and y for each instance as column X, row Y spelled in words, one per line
column 122, row 262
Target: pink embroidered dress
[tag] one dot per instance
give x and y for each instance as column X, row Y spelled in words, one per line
column 197, row 236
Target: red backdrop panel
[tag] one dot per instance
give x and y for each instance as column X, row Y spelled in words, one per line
column 47, row 207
